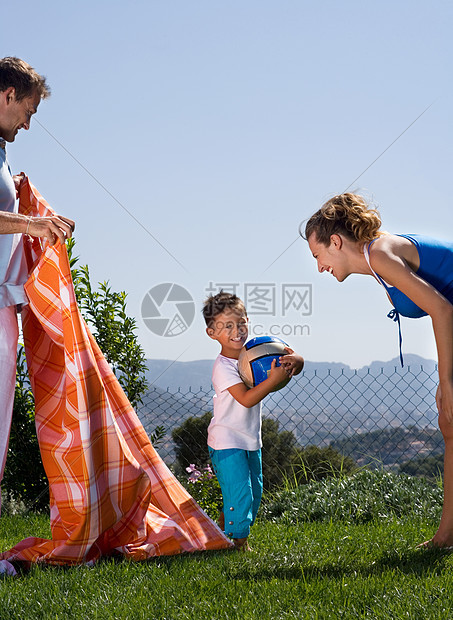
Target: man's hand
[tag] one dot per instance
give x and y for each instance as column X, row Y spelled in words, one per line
column 18, row 178
column 52, row 228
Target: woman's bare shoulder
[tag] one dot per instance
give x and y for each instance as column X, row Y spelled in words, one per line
column 390, row 247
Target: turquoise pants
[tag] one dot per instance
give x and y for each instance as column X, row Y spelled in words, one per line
column 240, row 476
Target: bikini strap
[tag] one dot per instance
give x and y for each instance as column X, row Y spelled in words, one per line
column 366, row 253
column 393, row 314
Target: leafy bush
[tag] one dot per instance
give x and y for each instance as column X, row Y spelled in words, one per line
column 360, row 498
column 24, row 479
column 204, row 487
column 279, row 450
column 105, row 312
column 12, row 506
column 191, row 439
column 315, row 463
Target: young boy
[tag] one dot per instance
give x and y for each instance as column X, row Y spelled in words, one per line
column 234, row 434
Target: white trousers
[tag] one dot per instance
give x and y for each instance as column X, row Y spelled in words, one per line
column 9, row 335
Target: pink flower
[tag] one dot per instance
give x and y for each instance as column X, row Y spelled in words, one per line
column 194, row 476
column 209, row 472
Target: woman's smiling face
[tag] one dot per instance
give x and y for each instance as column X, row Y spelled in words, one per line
column 329, row 258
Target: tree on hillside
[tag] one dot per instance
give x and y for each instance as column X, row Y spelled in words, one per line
column 279, row 448
column 425, row 466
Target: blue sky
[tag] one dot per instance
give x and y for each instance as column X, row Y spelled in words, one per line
column 221, row 126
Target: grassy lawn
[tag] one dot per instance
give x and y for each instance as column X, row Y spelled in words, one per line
column 308, row 570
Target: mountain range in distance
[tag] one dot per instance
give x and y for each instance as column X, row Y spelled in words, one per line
column 196, row 375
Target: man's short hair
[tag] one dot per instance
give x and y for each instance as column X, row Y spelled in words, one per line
column 25, row 80
column 217, row 304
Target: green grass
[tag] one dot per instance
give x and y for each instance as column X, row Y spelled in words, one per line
column 309, row 570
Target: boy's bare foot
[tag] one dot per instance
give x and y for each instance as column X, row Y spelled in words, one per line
column 241, row 544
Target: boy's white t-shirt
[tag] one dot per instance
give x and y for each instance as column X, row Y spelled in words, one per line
column 232, row 425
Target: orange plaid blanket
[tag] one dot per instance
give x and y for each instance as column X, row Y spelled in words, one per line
column 110, row 492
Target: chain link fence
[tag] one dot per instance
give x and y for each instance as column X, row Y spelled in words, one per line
column 379, row 416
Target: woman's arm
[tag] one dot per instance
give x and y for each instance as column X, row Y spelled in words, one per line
column 392, row 267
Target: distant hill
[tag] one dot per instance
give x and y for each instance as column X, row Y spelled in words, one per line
column 179, row 375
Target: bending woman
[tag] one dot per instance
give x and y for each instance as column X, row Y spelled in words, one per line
column 417, row 272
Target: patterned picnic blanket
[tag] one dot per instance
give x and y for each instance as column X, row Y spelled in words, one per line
column 110, row 492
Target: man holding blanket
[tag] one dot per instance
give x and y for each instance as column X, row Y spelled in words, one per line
column 21, row 90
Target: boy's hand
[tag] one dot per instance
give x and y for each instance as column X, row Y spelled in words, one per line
column 249, row 397
column 292, row 362
column 277, row 374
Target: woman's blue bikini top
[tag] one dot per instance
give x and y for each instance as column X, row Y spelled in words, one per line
column 436, row 268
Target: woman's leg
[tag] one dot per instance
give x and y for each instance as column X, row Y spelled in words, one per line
column 444, row 535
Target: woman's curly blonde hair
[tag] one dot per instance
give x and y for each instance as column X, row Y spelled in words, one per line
column 346, row 214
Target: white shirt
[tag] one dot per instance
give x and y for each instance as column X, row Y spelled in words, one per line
column 232, row 425
column 13, row 268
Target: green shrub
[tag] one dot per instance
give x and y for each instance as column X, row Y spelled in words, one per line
column 279, row 451
column 360, row 498
column 114, row 331
column 284, row 462
column 315, row 463
column 24, row 480
column 204, row 487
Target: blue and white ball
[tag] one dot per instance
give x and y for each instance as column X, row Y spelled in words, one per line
column 255, row 360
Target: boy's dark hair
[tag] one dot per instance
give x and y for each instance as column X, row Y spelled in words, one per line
column 25, row 80
column 216, row 304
